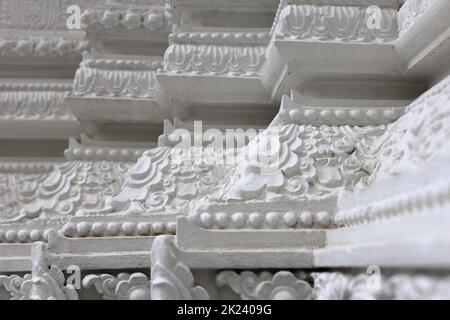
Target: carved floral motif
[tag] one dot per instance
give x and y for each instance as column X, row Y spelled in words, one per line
column 309, row 160
column 13, row 283
column 125, row 286
column 282, row 285
column 71, row 188
column 162, row 181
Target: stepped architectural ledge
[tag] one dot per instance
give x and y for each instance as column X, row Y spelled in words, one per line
column 224, row 149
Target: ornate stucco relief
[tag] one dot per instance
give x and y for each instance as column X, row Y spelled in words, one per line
column 34, row 100
column 38, row 14
column 411, row 158
column 354, row 178
column 105, row 77
column 334, row 23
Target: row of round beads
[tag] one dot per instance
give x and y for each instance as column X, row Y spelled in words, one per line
column 113, row 229
column 255, row 220
column 23, row 235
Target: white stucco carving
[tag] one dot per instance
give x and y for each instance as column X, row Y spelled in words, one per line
column 157, row 151
column 125, row 286
column 340, row 23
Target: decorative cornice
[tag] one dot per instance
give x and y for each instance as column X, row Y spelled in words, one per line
column 26, row 167
column 24, row 234
column 118, row 229
column 39, row 14
column 261, row 219
column 293, row 113
column 395, row 4
column 219, row 37
column 85, row 153
column 214, row 60
column 77, row 151
column 118, row 77
column 60, row 86
column 421, row 201
column 334, row 23
column 42, row 46
column 115, row 63
column 33, row 101
column 113, row 18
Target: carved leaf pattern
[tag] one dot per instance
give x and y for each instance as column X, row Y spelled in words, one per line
column 114, row 83
column 33, row 105
column 345, row 23
column 215, row 60
column 13, row 283
column 171, row 278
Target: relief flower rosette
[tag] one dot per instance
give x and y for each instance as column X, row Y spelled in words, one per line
column 284, row 286
column 133, row 287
